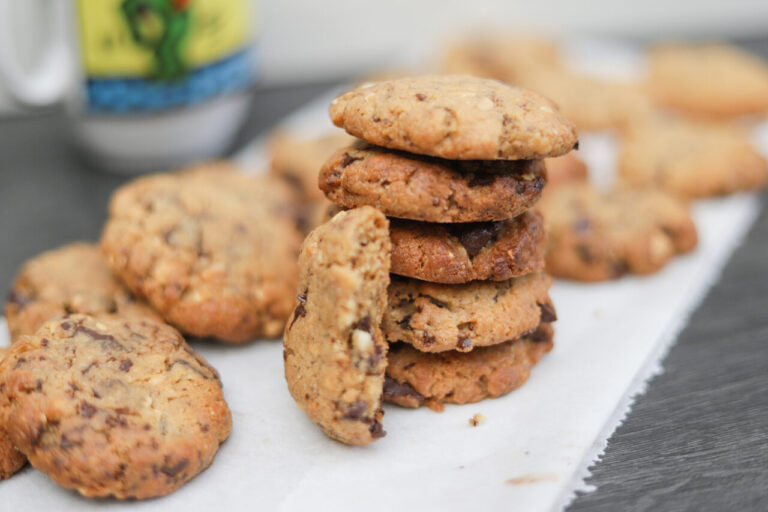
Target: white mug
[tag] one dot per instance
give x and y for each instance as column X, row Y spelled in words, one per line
column 148, row 84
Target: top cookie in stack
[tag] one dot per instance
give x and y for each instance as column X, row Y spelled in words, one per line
column 456, row 162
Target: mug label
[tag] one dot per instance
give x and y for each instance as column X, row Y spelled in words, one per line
column 149, row 55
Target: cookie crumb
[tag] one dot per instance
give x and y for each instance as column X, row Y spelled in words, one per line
column 476, row 420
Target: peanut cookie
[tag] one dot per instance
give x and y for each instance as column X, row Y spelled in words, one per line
column 11, row 459
column 458, row 253
column 565, row 169
column 415, row 378
column 71, row 279
column 335, row 354
column 690, row 159
column 709, row 80
column 430, row 189
column 595, row 236
column 438, row 317
column 214, row 251
column 112, row 406
column 457, row 117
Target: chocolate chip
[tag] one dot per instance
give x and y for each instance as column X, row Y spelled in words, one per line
column 19, row 299
column 436, row 302
column 66, row 325
column 421, row 97
column 356, row 411
column 428, row 339
column 581, row 225
column 464, row 343
column 474, row 236
column 19, row 362
column 539, row 335
column 107, row 340
column 576, row 146
column 585, row 254
column 300, row 310
column 348, row 159
column 364, row 324
column 87, row 410
column 548, row 313
column 44, row 342
column 172, row 471
column 395, row 389
column 125, row 365
column 190, row 366
column 405, row 322
column 377, row 430
column 88, row 368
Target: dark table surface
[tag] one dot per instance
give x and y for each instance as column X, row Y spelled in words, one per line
column 696, row 440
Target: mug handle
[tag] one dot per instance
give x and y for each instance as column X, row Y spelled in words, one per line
column 46, row 83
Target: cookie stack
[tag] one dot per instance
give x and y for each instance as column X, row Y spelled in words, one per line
column 455, row 162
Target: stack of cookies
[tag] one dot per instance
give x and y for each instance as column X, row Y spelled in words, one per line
column 455, row 163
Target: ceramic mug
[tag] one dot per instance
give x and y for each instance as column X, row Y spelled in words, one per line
column 147, row 84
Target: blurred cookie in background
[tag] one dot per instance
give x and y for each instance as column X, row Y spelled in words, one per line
column 597, row 236
column 708, row 80
column 690, row 159
column 565, row 169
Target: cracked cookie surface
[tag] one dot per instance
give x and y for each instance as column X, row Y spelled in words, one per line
column 11, row 459
column 457, row 117
column 595, row 236
column 111, row 406
column 439, row 317
column 431, row 189
column 74, row 278
column 211, row 249
column 459, row 253
column 335, row 354
column 416, row 378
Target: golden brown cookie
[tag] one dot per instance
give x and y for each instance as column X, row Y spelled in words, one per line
column 456, row 117
column 429, row 189
column 458, row 253
column 690, row 159
column 11, row 459
column 565, row 169
column 214, row 251
column 112, row 406
column 708, row 80
column 415, row 378
column 335, row 354
column 595, row 236
column 74, row 278
column 438, row 317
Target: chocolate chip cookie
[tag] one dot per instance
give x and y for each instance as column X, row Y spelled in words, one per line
column 456, row 117
column 430, row 189
column 415, row 378
column 214, row 251
column 112, row 406
column 708, row 80
column 335, row 354
column 690, row 159
column 458, row 253
column 595, row 236
column 71, row 279
column 11, row 459
column 438, row 317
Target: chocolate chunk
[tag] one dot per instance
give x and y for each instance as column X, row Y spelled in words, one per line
column 539, row 335
column 474, row 236
column 19, row 362
column 172, row 471
column 365, row 324
column 356, row 411
column 20, row 300
column 348, row 159
column 464, row 343
column 393, row 389
column 377, row 430
column 300, row 310
column 405, row 322
column 107, row 340
column 125, row 365
column 428, row 339
column 421, row 97
column 436, row 302
column 190, row 366
column 87, row 410
column 548, row 313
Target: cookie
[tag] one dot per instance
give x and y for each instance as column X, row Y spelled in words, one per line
column 214, row 251
column 690, row 159
column 565, row 169
column 438, row 317
column 74, row 278
column 429, row 189
column 595, row 236
column 457, row 117
column 708, row 80
column 11, row 459
column 415, row 378
column 112, row 406
column 458, row 253
column 335, row 354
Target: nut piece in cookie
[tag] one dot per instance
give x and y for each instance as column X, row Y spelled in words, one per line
column 690, row 159
column 211, row 249
column 335, row 354
column 431, row 189
column 74, row 278
column 112, row 406
column 459, row 253
column 457, row 117
column 596, row 236
column 11, row 459
column 416, row 378
column 459, row 317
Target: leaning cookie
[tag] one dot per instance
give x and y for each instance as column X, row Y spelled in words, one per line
column 212, row 250
column 110, row 406
column 415, row 378
column 596, row 236
column 74, row 278
column 458, row 253
column 457, row 117
column 437, row 317
column 11, row 459
column 430, row 189
column 335, row 354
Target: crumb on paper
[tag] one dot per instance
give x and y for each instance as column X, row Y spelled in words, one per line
column 476, row 420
